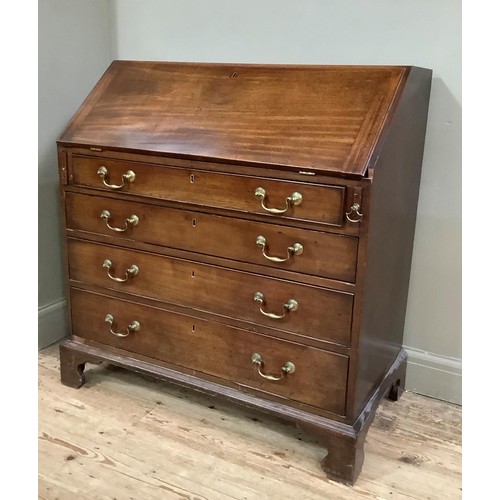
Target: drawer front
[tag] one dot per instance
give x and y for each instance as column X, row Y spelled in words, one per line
column 319, row 378
column 322, row 204
column 322, row 254
column 320, row 313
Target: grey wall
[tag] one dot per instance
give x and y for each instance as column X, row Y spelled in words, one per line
column 424, row 33
column 74, row 50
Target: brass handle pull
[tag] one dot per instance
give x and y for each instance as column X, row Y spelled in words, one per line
column 133, row 220
column 354, row 209
column 128, row 176
column 257, row 359
column 291, row 305
column 295, row 249
column 133, row 327
column 293, row 199
column 133, row 270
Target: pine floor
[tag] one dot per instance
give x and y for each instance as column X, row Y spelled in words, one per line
column 125, row 436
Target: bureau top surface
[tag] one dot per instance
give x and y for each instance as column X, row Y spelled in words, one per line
column 325, row 118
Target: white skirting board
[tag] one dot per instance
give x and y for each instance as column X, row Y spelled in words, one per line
column 434, row 375
column 52, row 324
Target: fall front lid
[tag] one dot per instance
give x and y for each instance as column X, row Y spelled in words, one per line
column 325, row 118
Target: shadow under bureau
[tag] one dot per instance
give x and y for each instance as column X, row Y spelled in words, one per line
column 247, row 231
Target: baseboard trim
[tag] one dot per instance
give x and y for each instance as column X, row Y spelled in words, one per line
column 52, row 324
column 434, row 375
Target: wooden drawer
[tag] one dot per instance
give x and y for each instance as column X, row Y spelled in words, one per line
column 319, row 378
column 323, row 204
column 324, row 254
column 321, row 313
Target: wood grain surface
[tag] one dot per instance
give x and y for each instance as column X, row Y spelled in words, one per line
column 325, row 254
column 324, row 204
column 125, row 436
column 206, row 347
column 324, row 117
column 321, row 313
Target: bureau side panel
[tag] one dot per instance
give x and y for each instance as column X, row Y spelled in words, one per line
column 393, row 208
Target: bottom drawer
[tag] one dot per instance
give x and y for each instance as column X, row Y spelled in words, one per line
column 318, row 378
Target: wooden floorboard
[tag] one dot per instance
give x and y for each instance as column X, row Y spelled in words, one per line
column 126, row 436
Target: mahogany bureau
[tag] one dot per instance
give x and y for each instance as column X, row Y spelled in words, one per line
column 247, row 231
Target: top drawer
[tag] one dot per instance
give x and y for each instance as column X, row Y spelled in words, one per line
column 277, row 198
